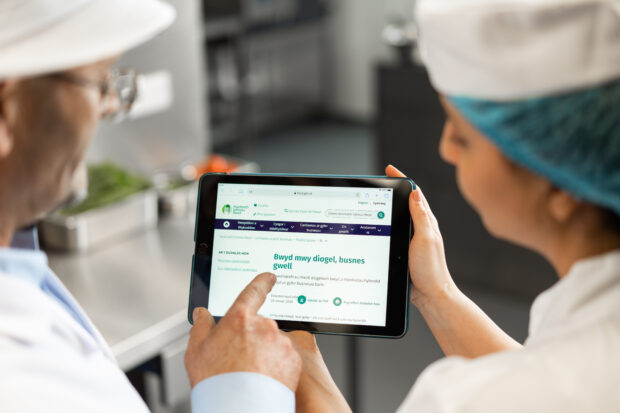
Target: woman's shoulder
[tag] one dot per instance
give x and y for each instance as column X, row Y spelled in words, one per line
column 574, row 370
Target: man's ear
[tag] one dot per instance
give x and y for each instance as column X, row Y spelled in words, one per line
column 6, row 137
column 562, row 205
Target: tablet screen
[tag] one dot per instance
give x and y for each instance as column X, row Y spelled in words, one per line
column 328, row 246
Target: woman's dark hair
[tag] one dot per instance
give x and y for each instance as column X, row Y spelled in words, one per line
column 611, row 220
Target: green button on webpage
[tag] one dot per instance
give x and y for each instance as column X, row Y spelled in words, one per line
column 337, row 301
column 301, row 299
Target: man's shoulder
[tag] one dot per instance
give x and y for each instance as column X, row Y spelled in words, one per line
column 31, row 319
column 25, row 312
column 48, row 364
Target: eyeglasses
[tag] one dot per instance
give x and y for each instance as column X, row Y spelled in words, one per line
column 120, row 84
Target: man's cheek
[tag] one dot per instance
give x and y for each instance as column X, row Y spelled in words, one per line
column 79, row 185
column 79, row 116
column 78, row 189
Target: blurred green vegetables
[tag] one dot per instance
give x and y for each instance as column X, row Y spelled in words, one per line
column 108, row 183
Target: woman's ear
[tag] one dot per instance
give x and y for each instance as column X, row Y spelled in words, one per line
column 6, row 138
column 562, row 205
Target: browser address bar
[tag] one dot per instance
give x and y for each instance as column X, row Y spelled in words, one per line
column 305, row 192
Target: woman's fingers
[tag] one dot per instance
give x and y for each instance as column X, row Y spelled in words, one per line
column 429, row 212
column 303, row 341
column 419, row 215
column 392, row 172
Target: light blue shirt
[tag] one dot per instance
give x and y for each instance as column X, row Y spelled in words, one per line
column 31, row 266
column 242, row 392
column 231, row 392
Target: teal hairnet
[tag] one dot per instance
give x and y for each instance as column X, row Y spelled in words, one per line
column 572, row 139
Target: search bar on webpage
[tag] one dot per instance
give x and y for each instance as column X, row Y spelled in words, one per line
column 351, row 213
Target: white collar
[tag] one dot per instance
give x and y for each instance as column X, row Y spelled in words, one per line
column 589, row 292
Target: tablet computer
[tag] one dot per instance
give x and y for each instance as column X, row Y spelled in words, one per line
column 337, row 244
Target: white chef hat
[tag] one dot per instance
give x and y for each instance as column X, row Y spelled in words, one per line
column 43, row 36
column 538, row 78
column 515, row 49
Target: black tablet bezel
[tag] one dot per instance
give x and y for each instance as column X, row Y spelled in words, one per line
column 401, row 231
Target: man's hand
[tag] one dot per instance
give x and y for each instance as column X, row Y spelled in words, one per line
column 317, row 391
column 242, row 341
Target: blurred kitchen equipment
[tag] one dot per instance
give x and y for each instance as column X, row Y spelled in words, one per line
column 178, row 190
column 178, row 200
column 94, row 228
column 402, row 36
column 119, row 203
column 257, row 52
column 267, row 11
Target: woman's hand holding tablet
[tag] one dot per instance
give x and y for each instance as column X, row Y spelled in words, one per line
column 338, row 246
column 427, row 259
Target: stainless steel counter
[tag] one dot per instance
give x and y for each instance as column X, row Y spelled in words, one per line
column 135, row 290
